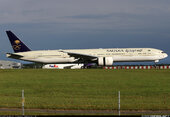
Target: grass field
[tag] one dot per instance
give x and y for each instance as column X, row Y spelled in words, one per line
column 85, row 89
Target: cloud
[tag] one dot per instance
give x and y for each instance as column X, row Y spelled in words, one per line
column 58, row 11
column 88, row 14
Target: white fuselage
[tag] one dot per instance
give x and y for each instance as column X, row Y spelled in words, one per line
column 63, row 66
column 117, row 54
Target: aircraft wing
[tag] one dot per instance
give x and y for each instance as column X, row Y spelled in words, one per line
column 68, row 67
column 81, row 56
column 12, row 55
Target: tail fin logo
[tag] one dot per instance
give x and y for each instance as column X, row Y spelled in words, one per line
column 17, row 42
column 17, row 46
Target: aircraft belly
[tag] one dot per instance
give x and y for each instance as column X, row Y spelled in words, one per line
column 134, row 58
column 52, row 60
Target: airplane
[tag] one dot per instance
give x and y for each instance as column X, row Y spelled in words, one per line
column 63, row 66
column 102, row 57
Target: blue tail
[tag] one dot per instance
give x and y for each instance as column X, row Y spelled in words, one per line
column 17, row 45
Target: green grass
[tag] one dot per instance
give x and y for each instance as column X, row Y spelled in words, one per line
column 85, row 89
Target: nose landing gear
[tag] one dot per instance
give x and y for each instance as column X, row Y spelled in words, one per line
column 156, row 61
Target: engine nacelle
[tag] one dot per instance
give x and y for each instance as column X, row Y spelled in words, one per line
column 105, row 61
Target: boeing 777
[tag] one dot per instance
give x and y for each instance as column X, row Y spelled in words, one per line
column 100, row 56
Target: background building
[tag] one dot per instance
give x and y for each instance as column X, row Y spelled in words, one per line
column 9, row 65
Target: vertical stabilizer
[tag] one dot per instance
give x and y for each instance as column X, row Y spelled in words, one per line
column 17, row 44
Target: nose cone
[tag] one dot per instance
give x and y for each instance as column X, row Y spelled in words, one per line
column 165, row 55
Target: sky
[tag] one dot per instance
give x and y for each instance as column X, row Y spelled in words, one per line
column 84, row 24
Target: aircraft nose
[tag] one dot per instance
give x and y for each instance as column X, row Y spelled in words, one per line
column 165, row 55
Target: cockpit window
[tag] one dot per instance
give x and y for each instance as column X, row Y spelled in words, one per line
column 149, row 50
column 162, row 52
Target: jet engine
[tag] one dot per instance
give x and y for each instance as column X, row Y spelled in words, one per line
column 105, row 61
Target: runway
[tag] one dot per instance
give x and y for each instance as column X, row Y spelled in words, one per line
column 85, row 112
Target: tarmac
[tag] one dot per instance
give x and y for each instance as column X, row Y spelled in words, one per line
column 86, row 112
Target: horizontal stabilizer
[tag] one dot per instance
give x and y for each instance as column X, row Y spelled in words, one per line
column 15, row 56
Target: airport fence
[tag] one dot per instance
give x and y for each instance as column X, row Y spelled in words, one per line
column 121, row 103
